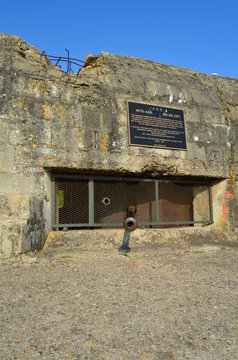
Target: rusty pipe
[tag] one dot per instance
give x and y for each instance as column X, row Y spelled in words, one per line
column 130, row 223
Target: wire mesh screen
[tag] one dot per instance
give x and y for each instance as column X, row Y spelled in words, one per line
column 112, row 200
column 71, row 201
column 103, row 202
column 175, row 202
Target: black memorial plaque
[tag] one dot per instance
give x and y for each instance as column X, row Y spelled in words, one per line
column 156, row 126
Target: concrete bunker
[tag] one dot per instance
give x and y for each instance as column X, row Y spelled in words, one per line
column 67, row 134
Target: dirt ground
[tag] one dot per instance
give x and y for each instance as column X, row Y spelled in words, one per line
column 168, row 301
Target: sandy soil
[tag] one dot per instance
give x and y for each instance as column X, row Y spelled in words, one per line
column 167, row 301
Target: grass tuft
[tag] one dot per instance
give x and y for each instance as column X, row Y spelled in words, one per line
column 124, row 254
column 66, row 256
column 199, row 251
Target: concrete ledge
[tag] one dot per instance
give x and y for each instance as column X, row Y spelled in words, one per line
column 111, row 238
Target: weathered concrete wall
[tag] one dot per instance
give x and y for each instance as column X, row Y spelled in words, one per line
column 50, row 120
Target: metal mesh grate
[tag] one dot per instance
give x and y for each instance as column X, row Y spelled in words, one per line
column 175, row 202
column 113, row 198
column 103, row 202
column 71, row 201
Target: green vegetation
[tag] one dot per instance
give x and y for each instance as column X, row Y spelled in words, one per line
column 124, row 254
column 199, row 251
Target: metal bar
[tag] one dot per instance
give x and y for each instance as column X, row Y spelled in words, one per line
column 88, row 225
column 118, row 179
column 120, row 224
column 141, row 224
column 67, row 61
column 70, row 68
column 62, row 57
column 147, row 223
column 210, row 204
column 74, row 62
column 91, row 201
column 57, row 61
column 108, row 225
column 104, row 178
column 71, row 225
column 100, row 224
column 183, row 222
column 190, row 182
column 157, row 201
column 52, row 200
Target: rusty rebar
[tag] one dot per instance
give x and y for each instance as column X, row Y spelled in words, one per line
column 65, row 59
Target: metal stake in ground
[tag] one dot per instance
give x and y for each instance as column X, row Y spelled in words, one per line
column 125, row 248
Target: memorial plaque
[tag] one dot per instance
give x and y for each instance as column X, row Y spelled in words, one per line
column 156, row 126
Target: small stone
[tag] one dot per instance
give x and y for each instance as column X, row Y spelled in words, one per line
column 90, row 59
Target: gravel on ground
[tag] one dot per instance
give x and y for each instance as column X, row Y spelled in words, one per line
column 170, row 301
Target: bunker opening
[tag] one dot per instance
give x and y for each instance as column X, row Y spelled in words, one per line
column 102, row 202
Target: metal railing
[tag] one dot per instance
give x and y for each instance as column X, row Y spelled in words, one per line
column 93, row 202
column 65, row 63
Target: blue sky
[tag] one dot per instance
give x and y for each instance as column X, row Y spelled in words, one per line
column 201, row 35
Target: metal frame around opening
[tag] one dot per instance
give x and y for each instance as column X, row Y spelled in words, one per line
column 92, row 224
